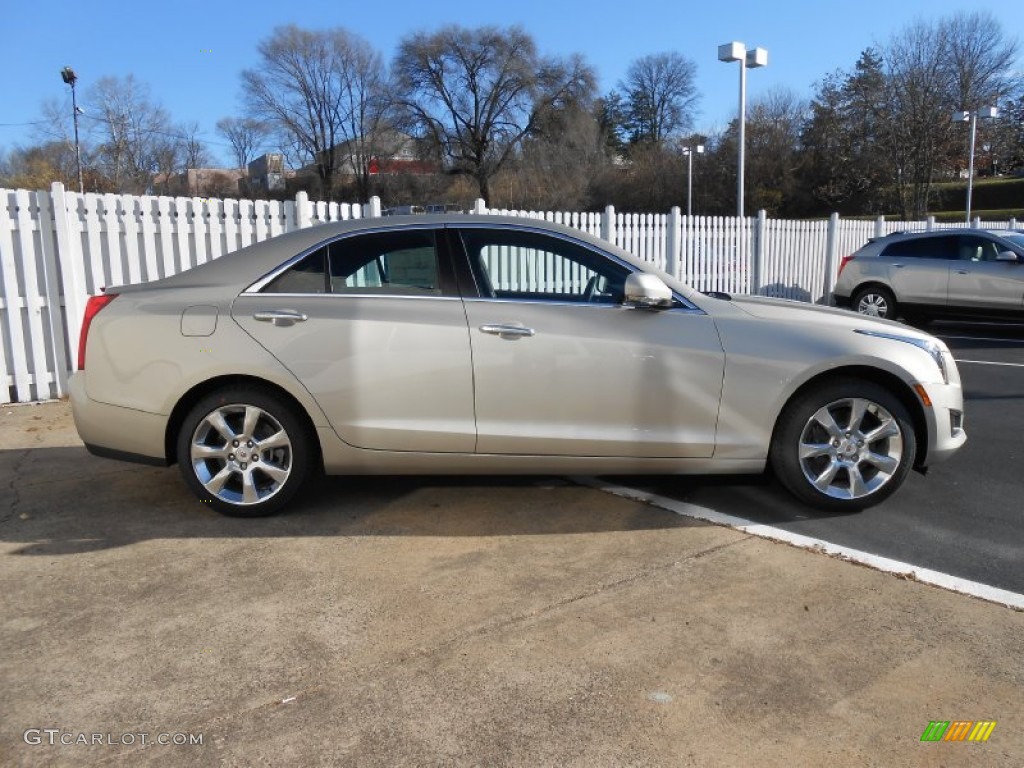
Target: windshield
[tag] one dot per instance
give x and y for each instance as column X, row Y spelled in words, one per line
column 1017, row 240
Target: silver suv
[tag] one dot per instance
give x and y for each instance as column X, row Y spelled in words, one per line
column 947, row 273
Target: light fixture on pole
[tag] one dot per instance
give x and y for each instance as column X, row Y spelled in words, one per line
column 755, row 57
column 690, row 152
column 69, row 77
column 986, row 113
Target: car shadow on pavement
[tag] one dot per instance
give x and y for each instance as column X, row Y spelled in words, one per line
column 62, row 500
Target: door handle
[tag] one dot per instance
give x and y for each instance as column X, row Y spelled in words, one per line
column 507, row 330
column 899, row 266
column 963, row 271
column 280, row 317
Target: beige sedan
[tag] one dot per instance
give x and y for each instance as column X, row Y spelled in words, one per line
column 477, row 344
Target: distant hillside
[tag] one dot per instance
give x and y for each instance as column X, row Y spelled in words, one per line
column 992, row 198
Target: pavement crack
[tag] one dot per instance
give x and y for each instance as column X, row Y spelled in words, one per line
column 14, row 497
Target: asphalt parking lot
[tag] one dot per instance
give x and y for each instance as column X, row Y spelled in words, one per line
column 533, row 622
column 965, row 518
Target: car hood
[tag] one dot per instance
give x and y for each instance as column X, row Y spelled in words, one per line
column 787, row 310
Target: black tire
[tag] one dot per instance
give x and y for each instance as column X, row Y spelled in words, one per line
column 842, row 456
column 247, row 488
column 875, row 301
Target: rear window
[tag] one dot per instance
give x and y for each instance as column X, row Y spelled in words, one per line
column 923, row 248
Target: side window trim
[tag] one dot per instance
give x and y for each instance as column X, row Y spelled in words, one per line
column 467, row 272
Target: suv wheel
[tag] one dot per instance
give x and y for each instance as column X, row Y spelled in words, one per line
column 875, row 301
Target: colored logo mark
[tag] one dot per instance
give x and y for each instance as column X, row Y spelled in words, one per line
column 958, row 730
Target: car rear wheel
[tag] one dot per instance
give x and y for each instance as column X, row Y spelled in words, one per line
column 244, row 452
column 875, row 301
column 843, row 446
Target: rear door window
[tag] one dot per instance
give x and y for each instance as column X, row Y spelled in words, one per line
column 398, row 263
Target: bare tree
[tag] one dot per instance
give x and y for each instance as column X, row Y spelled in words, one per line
column 661, row 96
column 933, row 69
column 126, row 127
column 981, row 57
column 366, row 108
column 319, row 89
column 556, row 163
column 477, row 93
column 246, row 137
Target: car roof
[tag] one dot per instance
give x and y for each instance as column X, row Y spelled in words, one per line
column 953, row 231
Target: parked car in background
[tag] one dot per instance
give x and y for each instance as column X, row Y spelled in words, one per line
column 404, row 210
column 491, row 344
column 946, row 273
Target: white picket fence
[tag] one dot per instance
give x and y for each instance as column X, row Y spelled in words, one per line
column 57, row 248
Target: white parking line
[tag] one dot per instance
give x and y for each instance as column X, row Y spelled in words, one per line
column 989, row 362
column 983, row 338
column 925, row 575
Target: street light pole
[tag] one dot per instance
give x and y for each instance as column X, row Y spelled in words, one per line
column 69, row 77
column 689, row 152
column 972, row 117
column 756, row 57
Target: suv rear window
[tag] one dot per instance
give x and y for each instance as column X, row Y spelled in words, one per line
column 924, row 248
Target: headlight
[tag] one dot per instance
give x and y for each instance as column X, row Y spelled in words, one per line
column 933, row 347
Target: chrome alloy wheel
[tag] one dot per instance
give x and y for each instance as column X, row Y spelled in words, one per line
column 873, row 305
column 241, row 454
column 850, row 448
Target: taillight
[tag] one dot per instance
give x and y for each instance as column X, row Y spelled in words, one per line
column 843, row 263
column 92, row 308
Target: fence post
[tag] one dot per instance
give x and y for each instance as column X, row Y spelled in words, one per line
column 479, row 206
column 831, row 255
column 673, row 246
column 302, row 212
column 758, row 256
column 976, row 222
column 373, row 209
column 608, row 224
column 1013, row 222
column 930, row 224
column 52, row 290
column 72, row 269
column 880, row 226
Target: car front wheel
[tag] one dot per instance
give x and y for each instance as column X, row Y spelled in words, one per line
column 875, row 301
column 843, row 446
column 244, row 452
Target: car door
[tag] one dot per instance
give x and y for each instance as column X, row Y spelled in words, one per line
column 979, row 281
column 919, row 268
column 372, row 325
column 561, row 367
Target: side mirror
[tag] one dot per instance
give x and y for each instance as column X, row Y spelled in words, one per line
column 1007, row 256
column 646, row 291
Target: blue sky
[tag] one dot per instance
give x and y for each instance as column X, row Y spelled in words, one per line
column 165, row 44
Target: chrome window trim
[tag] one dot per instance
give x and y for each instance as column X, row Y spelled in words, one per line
column 256, row 288
column 251, row 294
column 687, row 304
column 260, row 283
column 594, row 304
